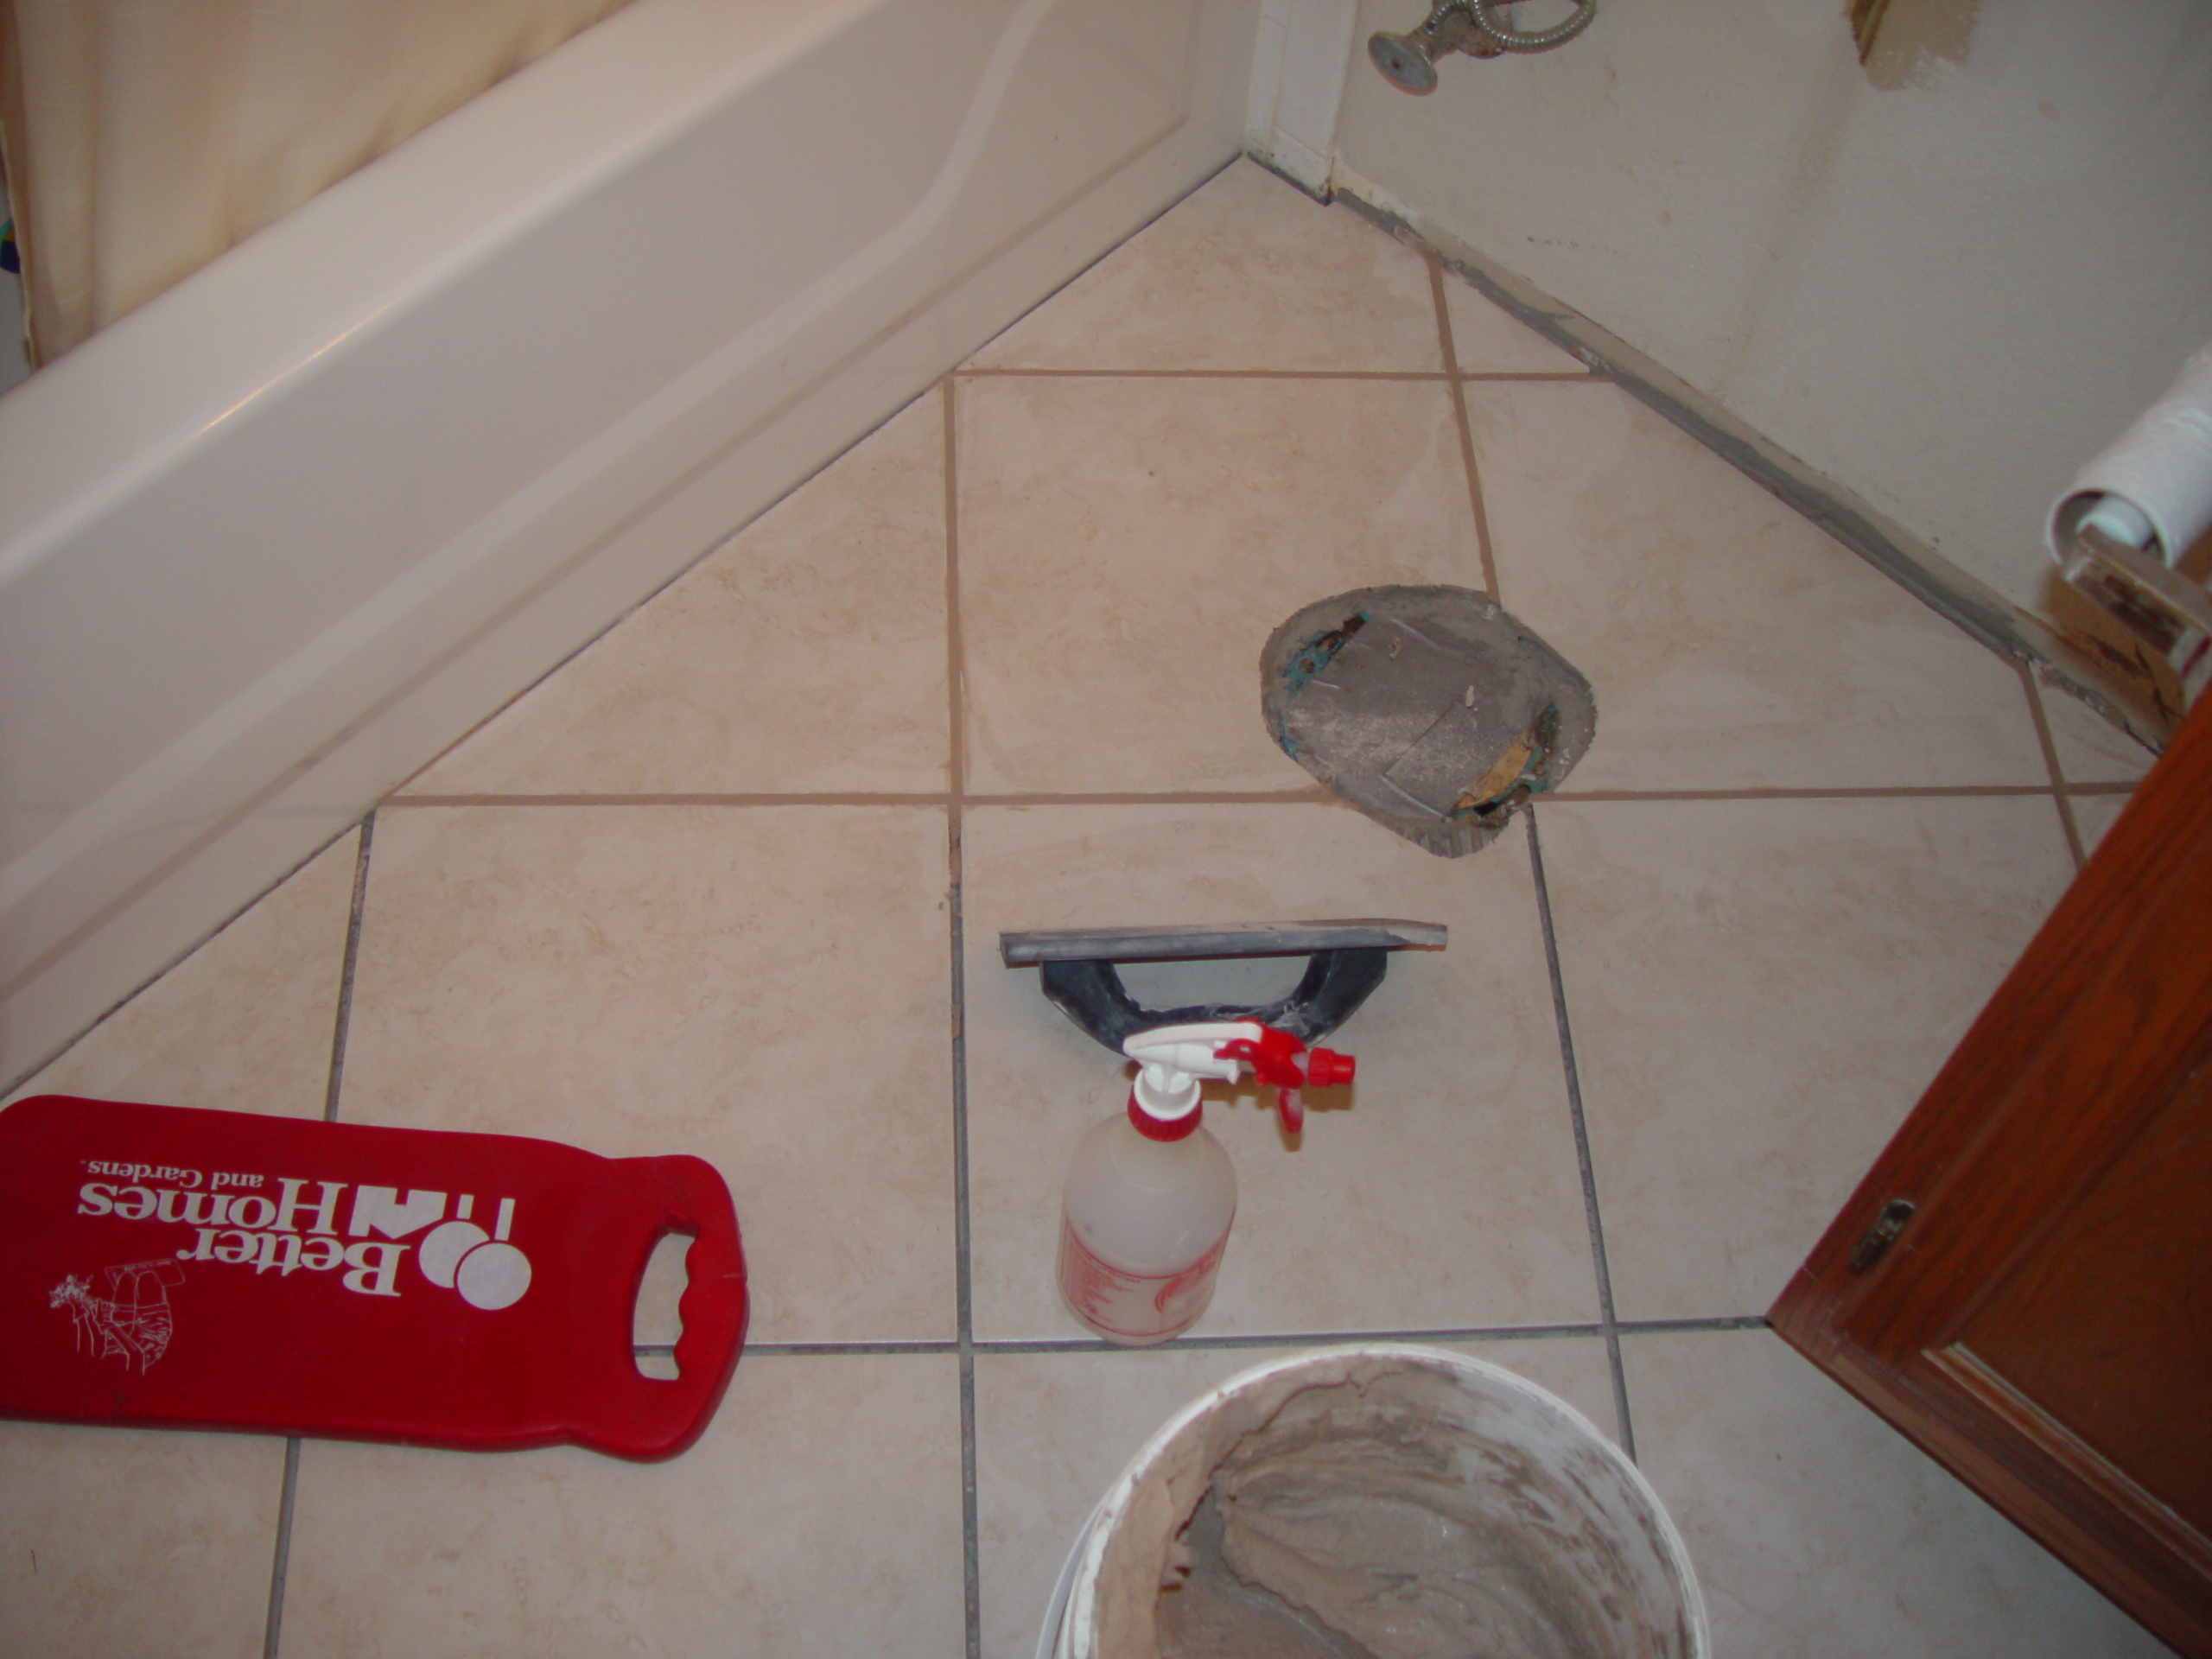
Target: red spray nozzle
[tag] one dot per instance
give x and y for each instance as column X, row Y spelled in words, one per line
column 1325, row 1068
column 1277, row 1058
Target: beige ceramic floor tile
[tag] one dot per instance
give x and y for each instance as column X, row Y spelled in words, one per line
column 821, row 1513
column 1447, row 1196
column 116, row 1543
column 2091, row 749
column 1759, row 991
column 1053, row 1431
column 804, row 655
column 1819, row 1531
column 245, row 1023
column 1731, row 643
column 767, row 988
column 1487, row 341
column 1127, row 547
column 1247, row 273
column 2094, row 814
column 121, row 1543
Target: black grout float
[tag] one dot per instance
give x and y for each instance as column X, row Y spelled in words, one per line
column 1150, row 1194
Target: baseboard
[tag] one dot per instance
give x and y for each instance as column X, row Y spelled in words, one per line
column 2081, row 660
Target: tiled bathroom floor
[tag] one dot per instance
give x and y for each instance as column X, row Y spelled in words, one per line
column 731, row 883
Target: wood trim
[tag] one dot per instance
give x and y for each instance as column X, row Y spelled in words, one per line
column 2152, row 870
column 1961, row 1370
column 2103, row 1021
column 2066, row 1515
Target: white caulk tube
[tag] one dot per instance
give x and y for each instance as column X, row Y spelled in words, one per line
column 1151, row 1194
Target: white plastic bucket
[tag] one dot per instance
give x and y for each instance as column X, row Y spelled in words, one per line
column 1610, row 1544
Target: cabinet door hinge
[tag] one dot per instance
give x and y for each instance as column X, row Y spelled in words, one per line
column 1883, row 1234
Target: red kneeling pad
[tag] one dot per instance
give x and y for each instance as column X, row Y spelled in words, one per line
column 182, row 1268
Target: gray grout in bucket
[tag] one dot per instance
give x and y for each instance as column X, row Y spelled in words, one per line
column 1382, row 1500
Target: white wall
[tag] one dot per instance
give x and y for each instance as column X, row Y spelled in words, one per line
column 1298, row 84
column 1946, row 297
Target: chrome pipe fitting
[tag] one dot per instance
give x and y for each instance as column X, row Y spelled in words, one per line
column 1478, row 28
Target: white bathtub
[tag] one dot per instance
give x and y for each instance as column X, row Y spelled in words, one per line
column 270, row 542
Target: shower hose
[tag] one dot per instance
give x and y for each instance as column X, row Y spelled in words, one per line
column 1489, row 20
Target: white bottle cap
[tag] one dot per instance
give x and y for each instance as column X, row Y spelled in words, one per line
column 1174, row 1058
column 1168, row 1103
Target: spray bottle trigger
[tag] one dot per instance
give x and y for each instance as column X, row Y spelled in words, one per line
column 1277, row 1058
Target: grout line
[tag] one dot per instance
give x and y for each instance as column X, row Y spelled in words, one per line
column 1307, row 797
column 1253, row 1339
column 917, row 798
column 956, row 778
column 1871, row 792
column 2041, row 719
column 1542, row 376
column 1465, row 426
column 1312, row 795
column 1538, row 377
column 345, row 972
column 1606, row 1315
column 853, row 797
column 1202, row 374
column 955, row 644
column 280, row 1567
column 817, row 1349
column 2072, row 826
column 1288, row 1339
column 2074, row 792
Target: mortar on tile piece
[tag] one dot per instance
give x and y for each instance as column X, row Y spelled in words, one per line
column 1430, row 709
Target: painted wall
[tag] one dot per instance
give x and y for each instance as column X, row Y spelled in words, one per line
column 1945, row 295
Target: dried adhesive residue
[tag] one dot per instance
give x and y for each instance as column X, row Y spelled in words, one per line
column 1429, row 709
column 1376, row 1521
column 1915, row 43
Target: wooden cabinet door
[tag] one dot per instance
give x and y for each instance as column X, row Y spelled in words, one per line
column 2023, row 1283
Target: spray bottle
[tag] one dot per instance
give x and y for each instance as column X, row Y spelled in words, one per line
column 1151, row 1194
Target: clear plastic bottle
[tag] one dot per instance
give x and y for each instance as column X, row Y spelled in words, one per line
column 1143, row 1229
column 1151, row 1194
